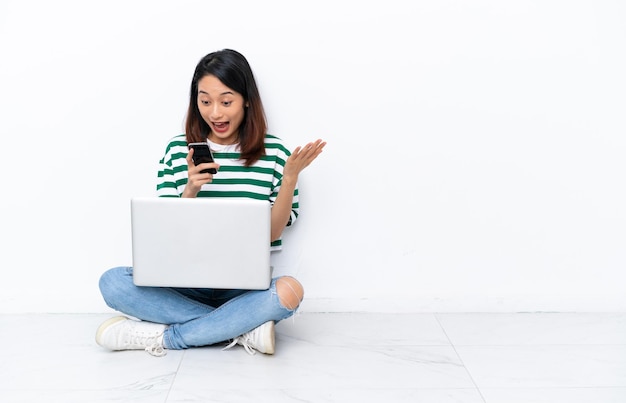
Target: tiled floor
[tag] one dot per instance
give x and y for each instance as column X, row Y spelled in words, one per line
column 472, row 358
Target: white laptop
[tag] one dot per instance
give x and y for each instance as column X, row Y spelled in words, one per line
column 201, row 242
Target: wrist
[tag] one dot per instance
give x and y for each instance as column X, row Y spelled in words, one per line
column 289, row 181
column 188, row 193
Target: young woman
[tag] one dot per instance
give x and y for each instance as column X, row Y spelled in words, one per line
column 225, row 110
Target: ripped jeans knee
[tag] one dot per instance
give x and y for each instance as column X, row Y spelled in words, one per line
column 290, row 292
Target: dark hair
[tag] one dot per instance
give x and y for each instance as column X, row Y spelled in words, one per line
column 233, row 70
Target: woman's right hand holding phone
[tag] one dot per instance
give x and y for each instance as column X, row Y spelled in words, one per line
column 195, row 178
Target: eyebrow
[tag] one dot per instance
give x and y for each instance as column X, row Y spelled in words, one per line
column 223, row 93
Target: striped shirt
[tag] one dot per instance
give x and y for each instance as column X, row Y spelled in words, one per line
column 259, row 181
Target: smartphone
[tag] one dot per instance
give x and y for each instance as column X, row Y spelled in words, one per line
column 202, row 154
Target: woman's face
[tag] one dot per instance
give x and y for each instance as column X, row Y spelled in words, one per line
column 222, row 109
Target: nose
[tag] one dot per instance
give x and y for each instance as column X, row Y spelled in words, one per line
column 216, row 111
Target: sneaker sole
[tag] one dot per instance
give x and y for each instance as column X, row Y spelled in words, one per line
column 270, row 339
column 105, row 325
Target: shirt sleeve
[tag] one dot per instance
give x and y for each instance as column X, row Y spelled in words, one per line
column 170, row 178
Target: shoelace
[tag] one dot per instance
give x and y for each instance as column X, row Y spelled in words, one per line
column 156, row 350
column 244, row 342
column 153, row 347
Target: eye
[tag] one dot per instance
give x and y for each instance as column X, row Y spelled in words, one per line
column 204, row 102
column 227, row 103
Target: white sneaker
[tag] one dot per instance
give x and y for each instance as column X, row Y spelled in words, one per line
column 122, row 333
column 260, row 339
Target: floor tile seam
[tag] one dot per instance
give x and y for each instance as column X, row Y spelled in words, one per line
column 165, row 391
column 380, row 348
column 467, row 371
column 549, row 387
column 383, row 345
column 442, row 313
column 538, row 313
column 540, row 345
column 173, row 382
column 80, row 388
column 347, row 389
column 451, row 344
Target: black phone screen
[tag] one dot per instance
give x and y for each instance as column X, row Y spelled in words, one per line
column 202, row 154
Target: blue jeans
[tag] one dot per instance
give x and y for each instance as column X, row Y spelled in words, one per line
column 196, row 316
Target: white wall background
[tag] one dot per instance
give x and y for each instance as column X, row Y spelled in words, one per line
column 475, row 159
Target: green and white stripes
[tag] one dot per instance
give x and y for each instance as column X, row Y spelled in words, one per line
column 260, row 181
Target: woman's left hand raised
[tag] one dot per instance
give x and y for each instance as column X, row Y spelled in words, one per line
column 301, row 158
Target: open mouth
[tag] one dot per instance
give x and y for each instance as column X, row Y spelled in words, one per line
column 220, row 127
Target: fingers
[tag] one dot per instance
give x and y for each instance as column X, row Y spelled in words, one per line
column 302, row 157
column 203, row 171
column 190, row 163
column 310, row 150
column 195, row 177
column 193, row 169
